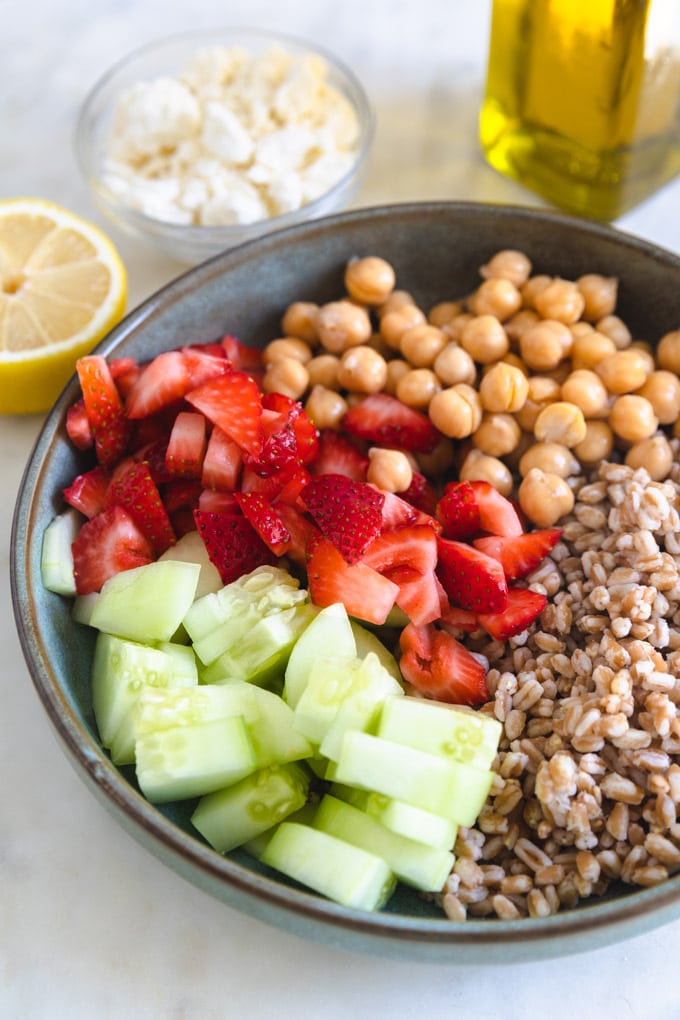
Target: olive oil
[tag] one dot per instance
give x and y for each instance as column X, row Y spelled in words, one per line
column 582, row 100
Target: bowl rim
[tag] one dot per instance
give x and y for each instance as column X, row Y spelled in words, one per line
column 430, row 939
column 223, row 234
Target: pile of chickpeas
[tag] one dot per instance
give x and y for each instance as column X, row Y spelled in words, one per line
column 530, row 376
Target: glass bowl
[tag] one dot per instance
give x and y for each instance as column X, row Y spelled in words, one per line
column 193, row 242
column 436, row 250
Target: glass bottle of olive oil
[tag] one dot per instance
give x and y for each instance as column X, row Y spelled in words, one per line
column 582, row 100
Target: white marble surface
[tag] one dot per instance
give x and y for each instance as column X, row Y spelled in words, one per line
column 91, row 926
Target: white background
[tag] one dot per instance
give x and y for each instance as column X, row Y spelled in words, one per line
column 92, row 926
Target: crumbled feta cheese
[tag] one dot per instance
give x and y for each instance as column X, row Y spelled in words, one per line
column 234, row 138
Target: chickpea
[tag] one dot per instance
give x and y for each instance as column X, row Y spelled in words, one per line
column 288, row 376
column 441, row 314
column 541, row 347
column 646, row 350
column 484, row 339
column 589, row 349
column 597, row 444
column 323, row 370
column 479, row 466
column 394, row 324
column 654, row 454
column 456, row 411
column 440, row 459
column 503, row 388
column 511, row 359
column 624, row 371
column 545, row 497
column 299, row 320
column 632, row 418
column 662, row 389
column 342, row 324
column 362, row 369
column 615, row 328
column 586, row 390
column 454, row 328
column 497, row 297
column 390, row 470
column 519, row 323
column 497, row 434
column 560, row 300
column 668, row 351
column 286, row 347
column 553, row 458
column 325, row 407
column 542, row 391
column 376, row 342
column 396, row 368
column 508, row 264
column 396, row 300
column 599, row 295
column 533, row 287
column 369, row 280
column 421, row 344
column 454, row 365
column 513, row 458
column 417, row 387
column 560, row 422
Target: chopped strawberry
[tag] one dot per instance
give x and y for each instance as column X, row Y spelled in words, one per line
column 397, row 512
column 154, row 453
column 364, row 592
column 216, row 501
column 181, row 494
column 136, row 492
column 460, row 619
column 413, row 546
column 88, row 492
column 421, row 494
column 182, row 521
column 385, row 420
column 162, row 382
column 233, row 402
column 222, row 462
column 440, row 667
column 338, row 455
column 348, row 513
column 266, row 521
column 242, row 358
column 471, row 579
column 520, row 554
column 303, row 532
column 293, row 415
column 522, row 609
column 419, row 597
column 124, row 372
column 458, row 511
column 187, row 445
column 204, row 362
column 497, row 515
column 104, row 546
column 232, row 543
column 78, row 427
column 104, row 408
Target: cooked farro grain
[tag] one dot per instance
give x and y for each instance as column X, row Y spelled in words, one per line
column 589, row 761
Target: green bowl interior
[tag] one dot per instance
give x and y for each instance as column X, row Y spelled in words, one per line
column 436, row 250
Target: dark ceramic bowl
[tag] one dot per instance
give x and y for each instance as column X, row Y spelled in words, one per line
column 436, row 250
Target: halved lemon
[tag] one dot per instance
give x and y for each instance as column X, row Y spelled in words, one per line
column 63, row 286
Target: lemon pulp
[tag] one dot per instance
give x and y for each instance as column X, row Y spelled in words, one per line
column 63, row 286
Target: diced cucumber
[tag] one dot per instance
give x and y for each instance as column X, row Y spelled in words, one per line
column 452, row 731
column 228, row 818
column 146, row 603
column 347, row 874
column 367, row 641
column 120, row 670
column 272, row 729
column 190, row 761
column 83, row 607
column 426, row 780
column 184, row 666
column 261, row 655
column 361, row 709
column 191, row 548
column 405, row 819
column 330, row 630
column 359, row 684
column 416, row 864
column 56, row 558
column 304, row 815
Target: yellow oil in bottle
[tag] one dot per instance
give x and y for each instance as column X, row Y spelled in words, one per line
column 582, row 100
